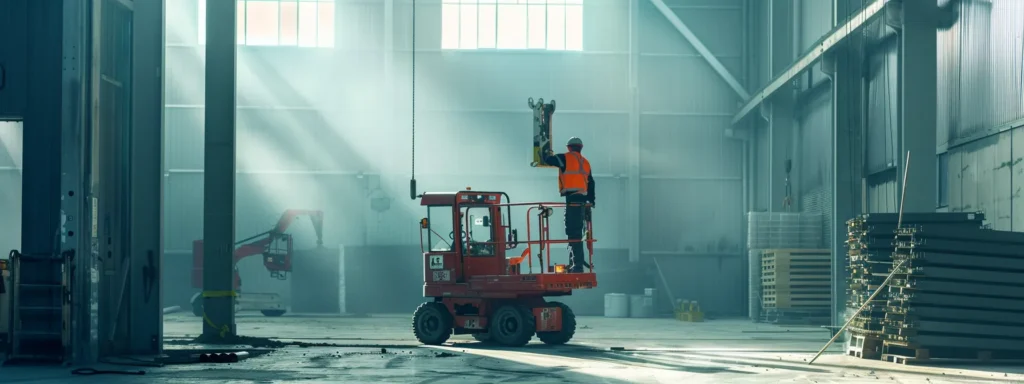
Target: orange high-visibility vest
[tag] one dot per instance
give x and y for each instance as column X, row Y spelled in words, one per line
column 573, row 180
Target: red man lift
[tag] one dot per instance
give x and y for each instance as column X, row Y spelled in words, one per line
column 477, row 289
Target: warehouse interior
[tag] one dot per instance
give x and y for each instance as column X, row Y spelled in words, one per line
column 777, row 182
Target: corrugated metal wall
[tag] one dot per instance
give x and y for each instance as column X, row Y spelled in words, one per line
column 981, row 99
column 980, row 112
column 814, row 156
column 882, row 119
column 812, row 165
column 980, row 105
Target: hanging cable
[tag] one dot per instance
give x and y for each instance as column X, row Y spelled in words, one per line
column 412, row 181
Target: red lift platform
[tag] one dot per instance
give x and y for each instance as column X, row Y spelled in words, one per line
column 477, row 289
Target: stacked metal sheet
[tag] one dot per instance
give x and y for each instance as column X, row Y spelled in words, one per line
column 957, row 293
column 784, row 230
column 869, row 258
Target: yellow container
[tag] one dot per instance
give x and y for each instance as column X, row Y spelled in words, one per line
column 689, row 311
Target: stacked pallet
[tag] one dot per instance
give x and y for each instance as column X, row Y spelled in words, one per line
column 958, row 294
column 777, row 230
column 797, row 284
column 869, row 260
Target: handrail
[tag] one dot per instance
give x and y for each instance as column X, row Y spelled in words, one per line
column 544, row 237
column 544, row 241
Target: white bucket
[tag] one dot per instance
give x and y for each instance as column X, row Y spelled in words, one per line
column 616, row 305
column 640, row 306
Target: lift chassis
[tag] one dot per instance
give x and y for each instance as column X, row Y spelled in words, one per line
column 476, row 289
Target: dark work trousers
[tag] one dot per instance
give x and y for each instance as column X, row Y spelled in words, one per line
column 574, row 230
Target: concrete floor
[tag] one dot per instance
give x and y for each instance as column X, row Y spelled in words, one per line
column 654, row 351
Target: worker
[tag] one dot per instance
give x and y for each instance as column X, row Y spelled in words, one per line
column 576, row 184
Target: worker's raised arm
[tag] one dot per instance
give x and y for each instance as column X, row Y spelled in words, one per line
column 554, row 160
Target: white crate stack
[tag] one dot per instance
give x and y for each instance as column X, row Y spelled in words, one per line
column 778, row 230
column 784, row 230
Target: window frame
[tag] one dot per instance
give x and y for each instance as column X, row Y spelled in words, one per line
column 490, row 245
column 243, row 19
column 525, row 4
column 446, row 211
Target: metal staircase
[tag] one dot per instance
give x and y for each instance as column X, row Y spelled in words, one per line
column 40, row 306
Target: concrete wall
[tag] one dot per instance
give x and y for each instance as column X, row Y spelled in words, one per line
column 319, row 128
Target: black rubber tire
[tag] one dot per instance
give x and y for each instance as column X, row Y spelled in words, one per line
column 483, row 337
column 568, row 326
column 197, row 306
column 512, row 325
column 273, row 312
column 432, row 323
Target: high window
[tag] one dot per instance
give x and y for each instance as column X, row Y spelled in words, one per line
column 302, row 23
column 555, row 25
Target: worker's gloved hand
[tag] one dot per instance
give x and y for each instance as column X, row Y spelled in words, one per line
column 593, row 204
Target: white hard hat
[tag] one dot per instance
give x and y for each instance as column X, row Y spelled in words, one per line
column 574, row 141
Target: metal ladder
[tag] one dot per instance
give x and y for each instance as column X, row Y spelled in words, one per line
column 40, row 306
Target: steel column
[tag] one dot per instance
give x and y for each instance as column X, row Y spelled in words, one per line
column 703, row 50
column 78, row 200
column 146, row 178
column 845, row 68
column 219, row 175
column 919, row 74
column 52, row 140
column 110, row 124
column 782, row 120
column 633, row 191
column 42, row 128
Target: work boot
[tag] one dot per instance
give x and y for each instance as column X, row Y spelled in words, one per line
column 578, row 267
column 576, row 258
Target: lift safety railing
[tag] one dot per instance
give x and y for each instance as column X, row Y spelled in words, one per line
column 542, row 243
column 543, row 212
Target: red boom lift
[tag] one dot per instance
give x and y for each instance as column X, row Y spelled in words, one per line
column 476, row 289
column 275, row 246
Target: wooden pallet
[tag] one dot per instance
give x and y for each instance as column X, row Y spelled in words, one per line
column 865, row 347
column 871, row 326
column 796, row 278
column 902, row 353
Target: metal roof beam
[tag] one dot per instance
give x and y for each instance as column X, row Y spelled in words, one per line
column 824, row 45
column 703, row 50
